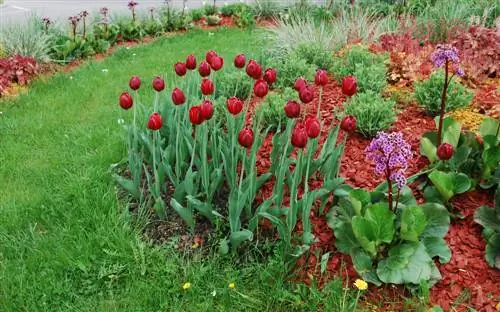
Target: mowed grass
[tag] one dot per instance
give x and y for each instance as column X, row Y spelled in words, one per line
column 66, row 243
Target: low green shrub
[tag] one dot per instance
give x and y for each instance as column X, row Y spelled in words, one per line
column 428, row 94
column 131, row 31
column 291, row 67
column 244, row 18
column 368, row 68
column 272, row 109
column 232, row 9
column 197, row 14
column 213, row 20
column 315, row 55
column 210, row 9
column 153, row 28
column 373, row 113
column 233, row 83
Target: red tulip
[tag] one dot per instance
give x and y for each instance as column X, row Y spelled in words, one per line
column 240, row 61
column 135, row 83
column 306, row 94
column 260, row 88
column 210, row 54
column 299, row 84
column 270, row 76
column 207, row 110
column 180, row 69
column 292, row 109
column 299, row 136
column 204, row 69
column 313, row 127
column 245, row 138
column 191, row 62
column 348, row 124
column 234, row 105
column 178, row 96
column 445, row 151
column 349, row 86
column 195, row 115
column 126, row 100
column 217, row 62
column 158, row 84
column 207, row 86
column 254, row 70
column 321, row 78
column 155, row 122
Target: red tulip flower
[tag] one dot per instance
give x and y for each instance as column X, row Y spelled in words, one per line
column 321, row 78
column 126, row 100
column 155, row 122
column 245, row 138
column 207, row 86
column 234, row 105
column 270, row 76
column 299, row 136
column 217, row 63
column 135, row 83
column 195, row 115
column 180, row 69
column 299, row 84
column 178, row 96
column 313, row 127
column 158, row 84
column 210, row 55
column 207, row 110
column 260, row 88
column 254, row 70
column 204, row 69
column 240, row 61
column 445, row 151
column 348, row 124
column 292, row 109
column 306, row 94
column 349, row 86
column 191, row 62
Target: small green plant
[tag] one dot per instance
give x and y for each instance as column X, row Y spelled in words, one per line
column 368, row 68
column 213, row 20
column 233, row 83
column 273, row 115
column 428, row 94
column 290, row 68
column 210, row 9
column 489, row 218
column 315, row 55
column 244, row 18
column 373, row 113
column 131, row 31
column 232, row 9
column 196, row 14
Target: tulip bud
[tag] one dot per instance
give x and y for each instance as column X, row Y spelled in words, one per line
column 299, row 84
column 239, row 61
column 313, row 127
column 245, row 138
column 299, row 136
column 234, row 105
column 155, row 122
column 349, row 86
column 158, row 84
column 321, row 78
column 178, row 96
column 348, row 124
column 207, row 86
column 191, row 62
column 270, row 76
column 260, row 88
column 195, row 115
column 180, row 69
column 135, row 83
column 204, row 69
column 306, row 94
column 210, row 55
column 207, row 110
column 254, row 70
column 126, row 100
column 445, row 151
column 217, row 62
column 292, row 109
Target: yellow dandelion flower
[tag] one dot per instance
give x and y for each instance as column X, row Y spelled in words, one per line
column 195, row 245
column 186, row 286
column 360, row 284
column 232, row 285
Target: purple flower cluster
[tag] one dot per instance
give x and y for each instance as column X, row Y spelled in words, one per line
column 74, row 19
column 104, row 11
column 132, row 4
column 46, row 20
column 446, row 53
column 83, row 14
column 391, row 154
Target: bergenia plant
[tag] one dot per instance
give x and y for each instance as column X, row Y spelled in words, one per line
column 46, row 23
column 73, row 20
column 391, row 154
column 447, row 56
column 131, row 6
column 83, row 16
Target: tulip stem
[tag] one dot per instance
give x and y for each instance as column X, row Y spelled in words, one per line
column 193, row 151
column 319, row 102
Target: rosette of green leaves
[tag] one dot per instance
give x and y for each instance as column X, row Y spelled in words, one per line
column 489, row 218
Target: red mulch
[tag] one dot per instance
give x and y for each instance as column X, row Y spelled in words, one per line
column 467, row 268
